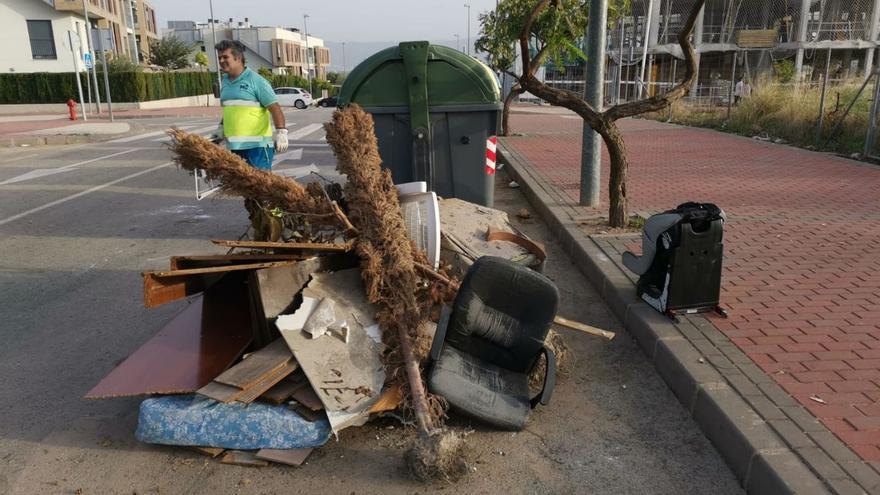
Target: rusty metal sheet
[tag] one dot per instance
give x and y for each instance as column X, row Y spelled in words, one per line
column 302, row 246
column 209, row 260
column 198, row 344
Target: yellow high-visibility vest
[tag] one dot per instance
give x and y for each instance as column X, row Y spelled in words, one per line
column 246, row 124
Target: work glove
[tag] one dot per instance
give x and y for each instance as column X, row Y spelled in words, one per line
column 281, row 140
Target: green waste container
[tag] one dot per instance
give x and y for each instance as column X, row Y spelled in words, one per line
column 434, row 109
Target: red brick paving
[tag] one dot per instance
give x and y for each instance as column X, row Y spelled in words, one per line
column 802, row 251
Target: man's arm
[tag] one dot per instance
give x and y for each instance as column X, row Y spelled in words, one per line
column 277, row 116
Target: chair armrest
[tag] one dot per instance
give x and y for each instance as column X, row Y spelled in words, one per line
column 440, row 334
column 549, row 379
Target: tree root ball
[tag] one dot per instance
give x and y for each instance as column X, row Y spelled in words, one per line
column 440, row 456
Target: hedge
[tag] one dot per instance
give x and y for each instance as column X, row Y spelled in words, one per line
column 48, row 87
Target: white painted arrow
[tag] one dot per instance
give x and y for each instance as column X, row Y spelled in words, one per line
column 296, row 154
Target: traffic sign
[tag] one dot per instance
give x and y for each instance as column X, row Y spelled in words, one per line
column 87, row 59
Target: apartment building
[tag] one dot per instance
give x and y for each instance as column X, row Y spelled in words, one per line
column 35, row 32
column 282, row 50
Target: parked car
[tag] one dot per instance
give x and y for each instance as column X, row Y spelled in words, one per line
column 293, row 97
column 330, row 101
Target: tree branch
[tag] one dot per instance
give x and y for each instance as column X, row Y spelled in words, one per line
column 660, row 102
column 524, row 34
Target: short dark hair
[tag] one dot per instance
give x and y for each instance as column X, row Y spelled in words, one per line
column 236, row 46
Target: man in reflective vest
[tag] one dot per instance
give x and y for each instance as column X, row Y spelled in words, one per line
column 248, row 100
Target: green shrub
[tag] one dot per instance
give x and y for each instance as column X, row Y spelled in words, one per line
column 45, row 87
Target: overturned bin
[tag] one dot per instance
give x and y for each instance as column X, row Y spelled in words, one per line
column 436, row 114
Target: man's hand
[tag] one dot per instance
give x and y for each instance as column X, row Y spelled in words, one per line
column 281, row 140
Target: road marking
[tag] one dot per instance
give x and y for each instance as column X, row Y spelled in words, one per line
column 290, row 155
column 49, row 171
column 80, row 194
column 198, row 131
column 305, row 131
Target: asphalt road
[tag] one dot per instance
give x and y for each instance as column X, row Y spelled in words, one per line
column 79, row 223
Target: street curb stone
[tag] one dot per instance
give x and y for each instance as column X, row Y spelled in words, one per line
column 761, row 432
column 57, row 139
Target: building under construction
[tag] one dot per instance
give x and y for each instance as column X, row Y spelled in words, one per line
column 733, row 39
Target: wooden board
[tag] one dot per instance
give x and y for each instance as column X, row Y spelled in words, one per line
column 257, row 365
column 220, row 392
column 209, row 260
column 291, row 457
column 306, row 396
column 303, row 246
column 390, row 400
column 283, row 390
column 166, row 286
column 211, row 451
column 251, row 393
column 191, row 350
column 242, row 458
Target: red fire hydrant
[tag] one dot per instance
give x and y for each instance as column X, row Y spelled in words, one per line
column 71, row 106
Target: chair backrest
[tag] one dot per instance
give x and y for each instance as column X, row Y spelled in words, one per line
column 502, row 313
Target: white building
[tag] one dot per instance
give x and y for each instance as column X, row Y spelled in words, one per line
column 34, row 36
column 34, row 32
column 282, row 50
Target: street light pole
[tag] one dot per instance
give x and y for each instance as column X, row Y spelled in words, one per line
column 214, row 40
column 457, row 42
column 468, row 28
column 308, row 55
column 344, row 67
column 591, row 142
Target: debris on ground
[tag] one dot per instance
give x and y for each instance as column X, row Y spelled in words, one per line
column 322, row 320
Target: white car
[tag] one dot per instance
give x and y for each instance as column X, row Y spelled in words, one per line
column 293, row 97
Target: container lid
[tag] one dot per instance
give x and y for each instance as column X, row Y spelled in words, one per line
column 453, row 78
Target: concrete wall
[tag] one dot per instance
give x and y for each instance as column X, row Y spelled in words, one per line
column 16, row 53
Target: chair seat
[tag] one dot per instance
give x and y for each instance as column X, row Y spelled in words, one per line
column 487, row 392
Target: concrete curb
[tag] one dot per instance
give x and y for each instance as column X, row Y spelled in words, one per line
column 770, row 442
column 14, row 141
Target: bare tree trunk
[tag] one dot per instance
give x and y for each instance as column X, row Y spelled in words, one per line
column 515, row 91
column 617, row 207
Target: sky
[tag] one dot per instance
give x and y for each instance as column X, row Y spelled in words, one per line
column 342, row 20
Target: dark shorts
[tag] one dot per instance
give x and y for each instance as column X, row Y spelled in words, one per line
column 258, row 157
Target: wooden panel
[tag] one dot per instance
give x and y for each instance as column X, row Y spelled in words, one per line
column 191, row 350
column 220, row 392
column 756, row 38
column 242, row 458
column 305, row 246
column 283, row 390
column 291, row 457
column 306, row 396
column 209, row 260
column 164, row 287
column 251, row 393
column 390, row 400
column 257, row 365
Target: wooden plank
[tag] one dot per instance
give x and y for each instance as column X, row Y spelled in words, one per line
column 251, row 393
column 305, row 246
column 158, row 291
column 220, row 392
column 291, row 457
column 243, row 458
column 257, row 365
column 208, row 260
column 210, row 451
column 306, row 396
column 186, row 354
column 390, row 400
column 220, row 269
column 580, row 327
column 283, row 390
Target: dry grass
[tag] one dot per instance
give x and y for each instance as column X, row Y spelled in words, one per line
column 789, row 113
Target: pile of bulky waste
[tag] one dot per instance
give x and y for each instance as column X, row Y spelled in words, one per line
column 342, row 307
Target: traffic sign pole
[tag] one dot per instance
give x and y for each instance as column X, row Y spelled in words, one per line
column 79, row 88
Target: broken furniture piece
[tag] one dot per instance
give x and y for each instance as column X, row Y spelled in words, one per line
column 680, row 265
column 488, row 342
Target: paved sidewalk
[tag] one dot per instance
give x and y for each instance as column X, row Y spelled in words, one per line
column 801, row 275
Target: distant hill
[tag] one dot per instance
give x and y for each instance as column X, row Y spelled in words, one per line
column 356, row 52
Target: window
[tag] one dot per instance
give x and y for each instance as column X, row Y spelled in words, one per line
column 42, row 39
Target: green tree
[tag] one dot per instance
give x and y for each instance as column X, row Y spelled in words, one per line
column 785, row 71
column 120, row 63
column 201, row 58
column 265, row 72
column 542, row 35
column 170, row 53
